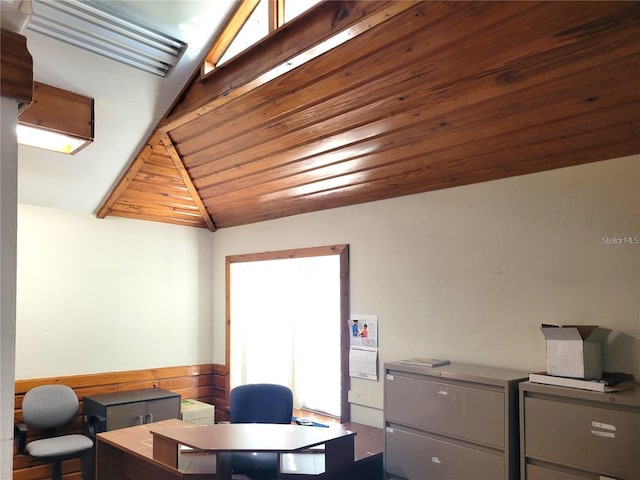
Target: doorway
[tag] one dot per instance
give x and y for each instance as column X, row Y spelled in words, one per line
column 287, row 323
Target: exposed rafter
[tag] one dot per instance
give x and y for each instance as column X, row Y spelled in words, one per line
column 177, row 162
column 233, row 25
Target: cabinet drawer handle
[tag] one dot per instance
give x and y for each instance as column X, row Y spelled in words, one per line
column 436, row 460
column 149, row 418
column 139, row 420
column 443, row 391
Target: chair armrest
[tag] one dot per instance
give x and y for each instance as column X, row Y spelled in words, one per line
column 20, row 437
column 93, row 424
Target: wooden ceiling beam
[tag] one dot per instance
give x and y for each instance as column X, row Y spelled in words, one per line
column 320, row 30
column 232, row 26
column 276, row 14
column 16, row 68
column 177, row 162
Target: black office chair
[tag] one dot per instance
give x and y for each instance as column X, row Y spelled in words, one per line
column 47, row 408
column 259, row 403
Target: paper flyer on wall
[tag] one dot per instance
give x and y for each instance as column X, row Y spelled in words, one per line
column 363, row 352
column 364, row 330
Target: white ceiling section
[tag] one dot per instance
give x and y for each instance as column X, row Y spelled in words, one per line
column 128, row 102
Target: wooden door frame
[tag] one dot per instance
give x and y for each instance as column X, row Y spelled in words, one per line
column 343, row 252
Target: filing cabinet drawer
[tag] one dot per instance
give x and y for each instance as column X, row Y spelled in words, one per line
column 475, row 414
column 416, row 457
column 604, row 440
column 537, row 472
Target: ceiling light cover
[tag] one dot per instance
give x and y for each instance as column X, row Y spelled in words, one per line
column 92, row 27
column 49, row 140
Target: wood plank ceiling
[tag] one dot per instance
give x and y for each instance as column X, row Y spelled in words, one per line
column 362, row 101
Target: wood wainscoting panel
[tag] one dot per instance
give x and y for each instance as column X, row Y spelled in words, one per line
column 221, row 391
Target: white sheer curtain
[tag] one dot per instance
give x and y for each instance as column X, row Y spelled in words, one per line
column 285, row 328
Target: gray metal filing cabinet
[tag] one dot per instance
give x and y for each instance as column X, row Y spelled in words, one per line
column 572, row 434
column 454, row 422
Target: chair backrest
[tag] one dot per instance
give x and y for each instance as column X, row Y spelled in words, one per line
column 49, row 406
column 261, row 403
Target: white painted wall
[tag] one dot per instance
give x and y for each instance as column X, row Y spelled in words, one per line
column 109, row 295
column 470, row 273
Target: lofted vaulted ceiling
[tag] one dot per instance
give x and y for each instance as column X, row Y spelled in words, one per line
column 359, row 101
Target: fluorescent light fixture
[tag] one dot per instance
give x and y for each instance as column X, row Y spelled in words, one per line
column 58, row 142
column 91, row 26
column 57, row 120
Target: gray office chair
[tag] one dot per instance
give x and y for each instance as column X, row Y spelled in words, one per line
column 47, row 408
column 259, row 403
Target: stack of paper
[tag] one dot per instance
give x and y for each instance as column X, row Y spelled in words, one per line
column 615, row 384
column 425, row 362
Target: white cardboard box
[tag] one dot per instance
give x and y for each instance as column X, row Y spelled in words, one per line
column 196, row 412
column 574, row 350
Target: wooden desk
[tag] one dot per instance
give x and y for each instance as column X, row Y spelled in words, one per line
column 244, row 437
column 127, row 454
